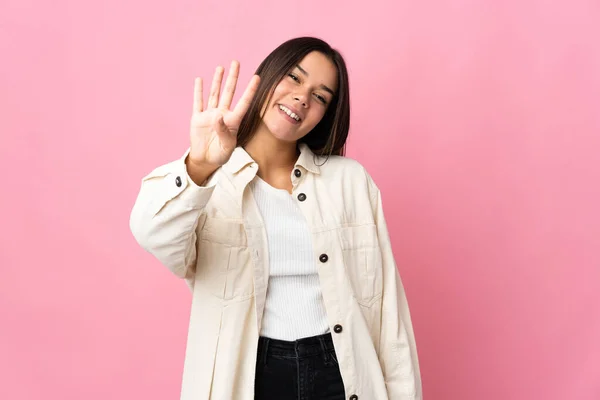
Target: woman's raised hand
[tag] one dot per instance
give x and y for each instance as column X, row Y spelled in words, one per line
column 214, row 127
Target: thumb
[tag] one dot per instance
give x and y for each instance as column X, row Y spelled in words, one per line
column 220, row 126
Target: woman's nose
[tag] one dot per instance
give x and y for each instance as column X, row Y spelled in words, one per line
column 301, row 98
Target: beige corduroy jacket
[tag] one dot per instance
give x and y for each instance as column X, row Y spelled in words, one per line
column 214, row 238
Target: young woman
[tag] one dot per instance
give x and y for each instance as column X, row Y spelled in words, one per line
column 282, row 241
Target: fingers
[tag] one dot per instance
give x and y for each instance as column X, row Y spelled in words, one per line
column 246, row 99
column 230, row 84
column 215, row 89
column 198, row 97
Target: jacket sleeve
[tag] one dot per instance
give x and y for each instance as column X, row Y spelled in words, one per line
column 165, row 216
column 397, row 350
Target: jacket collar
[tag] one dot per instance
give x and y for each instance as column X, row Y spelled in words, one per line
column 240, row 159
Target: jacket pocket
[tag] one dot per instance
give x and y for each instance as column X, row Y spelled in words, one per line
column 224, row 263
column 362, row 260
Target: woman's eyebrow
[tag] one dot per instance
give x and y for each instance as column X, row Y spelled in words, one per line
column 325, row 88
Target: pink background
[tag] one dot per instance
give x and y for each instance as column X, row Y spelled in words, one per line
column 480, row 121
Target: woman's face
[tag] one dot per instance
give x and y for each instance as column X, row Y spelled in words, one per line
column 301, row 98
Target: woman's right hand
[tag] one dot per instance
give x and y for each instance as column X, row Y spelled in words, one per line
column 214, row 128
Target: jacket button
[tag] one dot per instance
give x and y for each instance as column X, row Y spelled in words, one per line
column 354, row 397
column 297, row 173
column 323, row 258
column 337, row 329
column 301, row 197
column 178, row 181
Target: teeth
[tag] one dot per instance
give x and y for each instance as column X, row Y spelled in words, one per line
column 289, row 112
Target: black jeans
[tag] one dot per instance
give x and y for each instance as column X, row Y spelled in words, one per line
column 306, row 369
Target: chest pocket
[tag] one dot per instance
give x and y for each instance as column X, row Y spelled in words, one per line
column 362, row 260
column 225, row 266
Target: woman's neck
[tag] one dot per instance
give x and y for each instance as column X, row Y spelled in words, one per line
column 275, row 159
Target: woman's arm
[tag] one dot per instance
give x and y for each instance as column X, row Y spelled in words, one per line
column 397, row 351
column 169, row 205
column 165, row 216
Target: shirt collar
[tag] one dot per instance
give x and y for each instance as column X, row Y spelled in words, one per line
column 307, row 159
column 240, row 159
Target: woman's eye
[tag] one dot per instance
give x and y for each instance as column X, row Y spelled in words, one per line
column 321, row 98
column 294, row 77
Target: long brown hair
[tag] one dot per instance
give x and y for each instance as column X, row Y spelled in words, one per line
column 330, row 134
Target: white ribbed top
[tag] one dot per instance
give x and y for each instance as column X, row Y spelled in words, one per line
column 294, row 306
